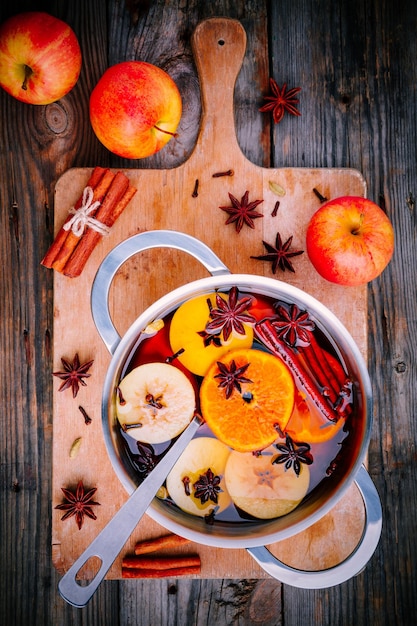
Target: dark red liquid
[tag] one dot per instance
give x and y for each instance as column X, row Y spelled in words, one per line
column 328, row 456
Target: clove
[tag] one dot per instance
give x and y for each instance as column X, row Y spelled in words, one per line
column 275, row 210
column 319, row 196
column 220, row 174
column 174, row 356
column 87, row 418
column 126, row 427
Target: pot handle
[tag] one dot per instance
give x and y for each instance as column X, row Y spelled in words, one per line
column 121, row 253
column 342, row 572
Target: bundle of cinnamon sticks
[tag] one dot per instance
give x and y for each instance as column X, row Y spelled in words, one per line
column 146, row 565
column 104, row 199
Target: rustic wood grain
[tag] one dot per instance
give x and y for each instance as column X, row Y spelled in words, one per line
column 165, row 201
column 350, row 76
column 355, row 62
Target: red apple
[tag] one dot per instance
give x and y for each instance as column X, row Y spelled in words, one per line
column 350, row 240
column 40, row 58
column 135, row 109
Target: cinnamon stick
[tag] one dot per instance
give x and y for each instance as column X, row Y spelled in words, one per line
column 161, row 562
column 175, row 572
column 72, row 241
column 96, row 178
column 266, row 333
column 115, row 201
column 160, row 566
column 158, row 543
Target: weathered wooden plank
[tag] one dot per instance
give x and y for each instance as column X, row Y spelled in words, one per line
column 37, row 144
column 358, row 86
column 356, row 64
column 217, row 602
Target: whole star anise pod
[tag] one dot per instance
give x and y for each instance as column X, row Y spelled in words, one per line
column 78, row 504
column 232, row 378
column 293, row 326
column 242, row 212
column 146, row 460
column 230, row 315
column 281, row 101
column 293, row 454
column 279, row 255
column 207, row 487
column 73, row 374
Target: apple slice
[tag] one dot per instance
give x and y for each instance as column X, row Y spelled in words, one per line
column 188, row 322
column 155, row 402
column 262, row 489
column 196, row 482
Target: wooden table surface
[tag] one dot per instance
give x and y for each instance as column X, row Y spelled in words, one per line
column 355, row 63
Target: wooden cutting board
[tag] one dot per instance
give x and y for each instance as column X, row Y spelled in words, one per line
column 165, row 200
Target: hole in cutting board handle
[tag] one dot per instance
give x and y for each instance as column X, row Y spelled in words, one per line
column 221, row 42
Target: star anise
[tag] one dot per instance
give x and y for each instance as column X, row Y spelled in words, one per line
column 210, row 339
column 293, row 326
column 232, row 378
column 293, row 454
column 78, row 504
column 146, row 460
column 242, row 212
column 279, row 255
column 207, row 487
column 73, row 374
column 230, row 315
column 281, row 101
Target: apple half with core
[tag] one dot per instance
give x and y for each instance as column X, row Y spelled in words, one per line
column 135, row 109
column 40, row 57
column 350, row 240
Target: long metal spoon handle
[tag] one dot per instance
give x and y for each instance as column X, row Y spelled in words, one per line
column 108, row 543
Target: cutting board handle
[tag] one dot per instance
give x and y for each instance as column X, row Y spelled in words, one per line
column 219, row 46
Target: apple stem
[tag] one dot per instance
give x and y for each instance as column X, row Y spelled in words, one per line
column 357, row 229
column 167, row 132
column 28, row 74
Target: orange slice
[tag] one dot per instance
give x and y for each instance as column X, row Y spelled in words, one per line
column 309, row 425
column 247, row 419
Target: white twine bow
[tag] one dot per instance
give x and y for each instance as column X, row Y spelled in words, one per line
column 82, row 218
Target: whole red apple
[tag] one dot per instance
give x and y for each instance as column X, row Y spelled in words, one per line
column 40, row 58
column 135, row 109
column 350, row 240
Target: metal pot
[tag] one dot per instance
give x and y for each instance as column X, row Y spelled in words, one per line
column 256, row 535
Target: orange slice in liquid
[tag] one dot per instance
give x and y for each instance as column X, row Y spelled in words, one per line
column 247, row 420
column 309, row 425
